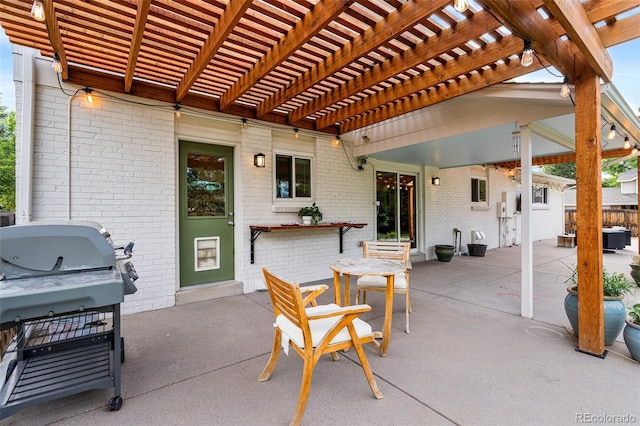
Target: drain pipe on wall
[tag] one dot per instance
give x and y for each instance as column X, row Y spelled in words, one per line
column 71, row 98
column 24, row 195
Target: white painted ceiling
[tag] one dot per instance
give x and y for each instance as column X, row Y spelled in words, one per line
column 477, row 128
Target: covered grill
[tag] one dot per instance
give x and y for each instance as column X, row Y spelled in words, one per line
column 61, row 285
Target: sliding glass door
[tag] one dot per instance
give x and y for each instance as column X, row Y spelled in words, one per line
column 396, row 207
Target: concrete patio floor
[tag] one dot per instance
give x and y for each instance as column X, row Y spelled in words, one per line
column 470, row 359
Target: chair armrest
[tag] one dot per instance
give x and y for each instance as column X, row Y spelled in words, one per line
column 408, row 265
column 314, row 291
column 339, row 311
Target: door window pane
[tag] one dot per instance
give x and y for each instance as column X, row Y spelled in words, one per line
column 407, row 212
column 205, row 185
column 386, row 186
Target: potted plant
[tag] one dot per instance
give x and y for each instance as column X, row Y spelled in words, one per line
column 310, row 214
column 615, row 286
column 444, row 252
column 631, row 332
column 635, row 268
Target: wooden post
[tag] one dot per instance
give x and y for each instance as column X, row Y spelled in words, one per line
column 589, row 211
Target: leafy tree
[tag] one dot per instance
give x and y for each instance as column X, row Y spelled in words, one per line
column 610, row 172
column 566, row 170
column 7, row 159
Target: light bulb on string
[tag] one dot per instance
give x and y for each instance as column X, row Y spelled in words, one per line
column 37, row 11
column 527, row 54
column 56, row 65
column 627, row 144
column 612, row 132
column 89, row 96
column 460, row 5
column 565, row 91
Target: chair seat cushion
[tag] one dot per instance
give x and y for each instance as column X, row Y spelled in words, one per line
column 379, row 281
column 320, row 327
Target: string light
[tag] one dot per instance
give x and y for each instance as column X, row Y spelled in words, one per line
column 336, row 141
column 627, row 144
column 177, row 108
column 612, row 132
column 245, row 123
column 89, row 96
column 37, row 11
column 296, row 133
column 56, row 66
column 527, row 54
column 460, row 5
column 564, row 91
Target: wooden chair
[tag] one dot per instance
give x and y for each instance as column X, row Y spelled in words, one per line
column 387, row 250
column 314, row 331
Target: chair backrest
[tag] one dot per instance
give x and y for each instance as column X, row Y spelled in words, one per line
column 286, row 299
column 387, row 250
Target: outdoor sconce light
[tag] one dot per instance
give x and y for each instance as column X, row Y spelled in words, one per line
column 435, row 181
column 259, row 160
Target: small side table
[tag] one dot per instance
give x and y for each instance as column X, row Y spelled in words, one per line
column 567, row 240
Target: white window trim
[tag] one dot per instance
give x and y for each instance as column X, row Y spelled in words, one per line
column 282, row 205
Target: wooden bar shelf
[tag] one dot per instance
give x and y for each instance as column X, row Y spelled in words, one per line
column 256, row 230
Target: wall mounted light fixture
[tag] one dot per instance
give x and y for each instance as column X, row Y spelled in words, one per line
column 435, row 181
column 259, row 160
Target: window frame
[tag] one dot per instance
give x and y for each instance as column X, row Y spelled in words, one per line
column 479, row 201
column 545, row 195
column 293, row 155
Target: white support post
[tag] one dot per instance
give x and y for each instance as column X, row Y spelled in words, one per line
column 526, row 261
column 25, row 174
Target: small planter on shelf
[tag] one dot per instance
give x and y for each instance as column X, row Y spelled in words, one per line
column 444, row 252
column 310, row 215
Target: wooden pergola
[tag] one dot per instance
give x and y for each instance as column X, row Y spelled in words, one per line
column 338, row 66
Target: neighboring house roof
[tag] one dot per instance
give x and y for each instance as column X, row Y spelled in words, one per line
column 611, row 196
column 545, row 177
column 628, row 176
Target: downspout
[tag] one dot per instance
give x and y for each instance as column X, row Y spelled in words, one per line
column 71, row 98
column 27, row 126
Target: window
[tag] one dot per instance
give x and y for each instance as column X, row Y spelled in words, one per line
column 539, row 195
column 478, row 190
column 293, row 176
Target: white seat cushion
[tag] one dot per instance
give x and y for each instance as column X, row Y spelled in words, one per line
column 379, row 281
column 320, row 327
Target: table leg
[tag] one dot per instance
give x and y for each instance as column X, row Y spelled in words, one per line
column 388, row 314
column 337, row 288
column 347, row 290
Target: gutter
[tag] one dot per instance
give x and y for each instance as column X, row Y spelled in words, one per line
column 24, row 197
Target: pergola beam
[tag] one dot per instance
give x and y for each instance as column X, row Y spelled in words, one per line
column 407, row 16
column 230, row 17
column 523, row 19
column 55, row 38
column 320, row 16
column 575, row 22
column 136, row 41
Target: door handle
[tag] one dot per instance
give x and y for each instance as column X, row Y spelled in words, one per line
column 230, row 223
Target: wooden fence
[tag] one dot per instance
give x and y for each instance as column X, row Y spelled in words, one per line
column 620, row 217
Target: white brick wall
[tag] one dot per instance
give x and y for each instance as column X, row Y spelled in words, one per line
column 122, row 176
